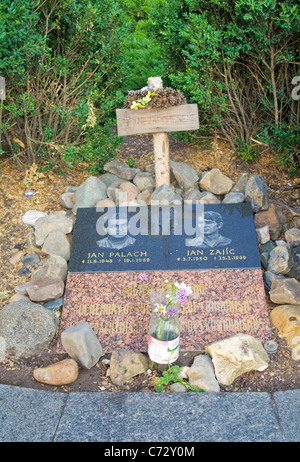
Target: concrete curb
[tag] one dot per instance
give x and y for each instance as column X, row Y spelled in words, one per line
column 28, row 415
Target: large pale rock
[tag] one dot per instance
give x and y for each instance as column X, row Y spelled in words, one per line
column 233, row 198
column 256, row 193
column 57, row 243
column 281, row 259
column 121, row 170
column 128, row 192
column 262, row 235
column 272, row 218
column 125, row 364
column 61, row 373
column 89, row 193
column 185, row 175
column 284, row 291
column 215, row 182
column 82, row 344
column 201, row 374
column 27, row 327
column 286, row 318
column 293, row 236
column 30, row 217
column 43, row 290
column 66, row 200
column 57, row 221
column 51, row 267
column 236, row 355
column 164, row 195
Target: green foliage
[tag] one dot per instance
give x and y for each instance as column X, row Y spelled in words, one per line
column 63, row 67
column 171, row 376
column 236, row 59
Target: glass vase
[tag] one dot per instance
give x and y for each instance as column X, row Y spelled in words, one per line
column 163, row 340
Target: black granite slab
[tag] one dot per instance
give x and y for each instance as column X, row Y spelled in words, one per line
column 165, row 242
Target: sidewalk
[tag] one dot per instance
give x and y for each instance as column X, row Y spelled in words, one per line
column 28, row 415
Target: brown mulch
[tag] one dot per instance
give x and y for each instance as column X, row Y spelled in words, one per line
column 283, row 372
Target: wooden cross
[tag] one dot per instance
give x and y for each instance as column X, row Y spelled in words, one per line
column 158, row 122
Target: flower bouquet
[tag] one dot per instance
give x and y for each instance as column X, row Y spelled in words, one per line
column 164, row 328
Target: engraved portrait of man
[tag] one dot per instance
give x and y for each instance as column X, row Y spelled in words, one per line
column 117, row 234
column 208, row 232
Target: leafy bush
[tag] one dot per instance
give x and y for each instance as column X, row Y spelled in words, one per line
column 63, row 65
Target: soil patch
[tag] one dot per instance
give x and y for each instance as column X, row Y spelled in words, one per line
column 283, row 372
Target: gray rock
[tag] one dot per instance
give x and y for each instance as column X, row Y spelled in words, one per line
column 234, row 198
column 256, row 193
column 121, row 170
column 21, row 289
column 113, row 191
column 208, row 198
column 51, row 267
column 32, row 216
column 215, row 182
column 144, row 180
column 44, row 290
column 164, row 195
column 125, row 364
column 54, row 305
column 82, row 344
column 193, row 195
column 262, row 234
column 293, row 236
column 57, row 243
column 240, row 185
column 178, row 387
column 109, row 178
column 89, row 193
column 28, row 328
column 236, row 355
column 268, row 278
column 31, row 259
column 57, row 221
column 201, row 374
column 284, row 291
column 186, row 176
column 295, row 270
column 281, row 259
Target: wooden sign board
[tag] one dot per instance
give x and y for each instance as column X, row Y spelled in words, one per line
column 2, row 89
column 171, row 119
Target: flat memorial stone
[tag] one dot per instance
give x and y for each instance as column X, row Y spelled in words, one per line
column 212, row 248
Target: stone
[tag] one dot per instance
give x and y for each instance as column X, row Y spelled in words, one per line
column 293, row 236
column 256, row 193
column 113, row 191
column 81, row 343
column 43, row 290
column 145, row 195
column 262, row 234
column 32, row 216
column 16, row 257
column 17, row 297
column 66, row 200
column 57, row 243
column 109, row 178
column 201, row 374
column 121, row 170
column 240, row 185
column 284, row 291
column 286, row 318
column 54, row 305
column 57, row 221
column 105, row 203
column 185, row 175
column 268, row 278
column 233, row 198
column 271, row 218
column 125, row 364
column 192, row 195
column 61, row 373
column 281, row 259
column 144, row 180
column 27, row 327
column 208, row 198
column 52, row 267
column 31, row 259
column 236, row 355
column 22, row 288
column 164, row 195
column 89, row 193
column 215, row 182
column 177, row 387
column 127, row 192
column 295, row 271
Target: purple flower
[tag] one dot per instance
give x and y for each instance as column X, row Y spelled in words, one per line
column 172, row 311
column 143, row 276
column 181, row 296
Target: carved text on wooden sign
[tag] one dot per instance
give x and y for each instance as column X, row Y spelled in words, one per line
column 171, row 119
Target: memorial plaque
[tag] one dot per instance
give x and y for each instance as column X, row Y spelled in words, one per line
column 213, row 249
